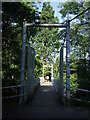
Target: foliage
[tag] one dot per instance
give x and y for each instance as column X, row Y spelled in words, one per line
column 38, row 67
column 79, row 31
column 79, row 39
column 12, row 18
column 10, row 60
column 83, row 70
column 46, row 41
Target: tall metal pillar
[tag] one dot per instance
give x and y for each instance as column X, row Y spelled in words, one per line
column 22, row 63
column 68, row 63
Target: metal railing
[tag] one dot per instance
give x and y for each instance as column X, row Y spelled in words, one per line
column 36, row 83
column 55, row 83
column 9, row 87
column 12, row 87
column 81, row 90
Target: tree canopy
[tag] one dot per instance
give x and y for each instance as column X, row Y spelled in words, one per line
column 46, row 41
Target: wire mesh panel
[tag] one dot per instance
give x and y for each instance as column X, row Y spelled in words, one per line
column 30, row 70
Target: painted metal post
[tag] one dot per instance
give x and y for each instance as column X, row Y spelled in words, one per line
column 88, row 42
column 22, row 63
column 68, row 63
column 43, row 72
column 52, row 71
column 89, row 37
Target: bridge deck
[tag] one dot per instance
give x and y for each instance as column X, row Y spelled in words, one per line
column 45, row 104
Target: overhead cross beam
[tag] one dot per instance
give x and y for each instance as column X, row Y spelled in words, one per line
column 46, row 25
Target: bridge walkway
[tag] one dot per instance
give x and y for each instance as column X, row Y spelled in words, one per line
column 45, row 104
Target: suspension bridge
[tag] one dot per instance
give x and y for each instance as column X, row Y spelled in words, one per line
column 37, row 98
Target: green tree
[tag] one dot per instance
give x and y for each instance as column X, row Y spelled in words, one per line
column 79, row 27
column 46, row 41
column 79, row 39
column 12, row 18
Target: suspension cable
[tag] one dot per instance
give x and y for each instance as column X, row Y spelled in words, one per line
column 79, row 14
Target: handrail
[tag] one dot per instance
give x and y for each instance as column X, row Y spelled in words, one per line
column 79, row 89
column 17, row 86
column 55, row 84
column 12, row 96
column 13, row 86
column 81, row 100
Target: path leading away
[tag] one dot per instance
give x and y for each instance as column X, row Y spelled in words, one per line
column 45, row 104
